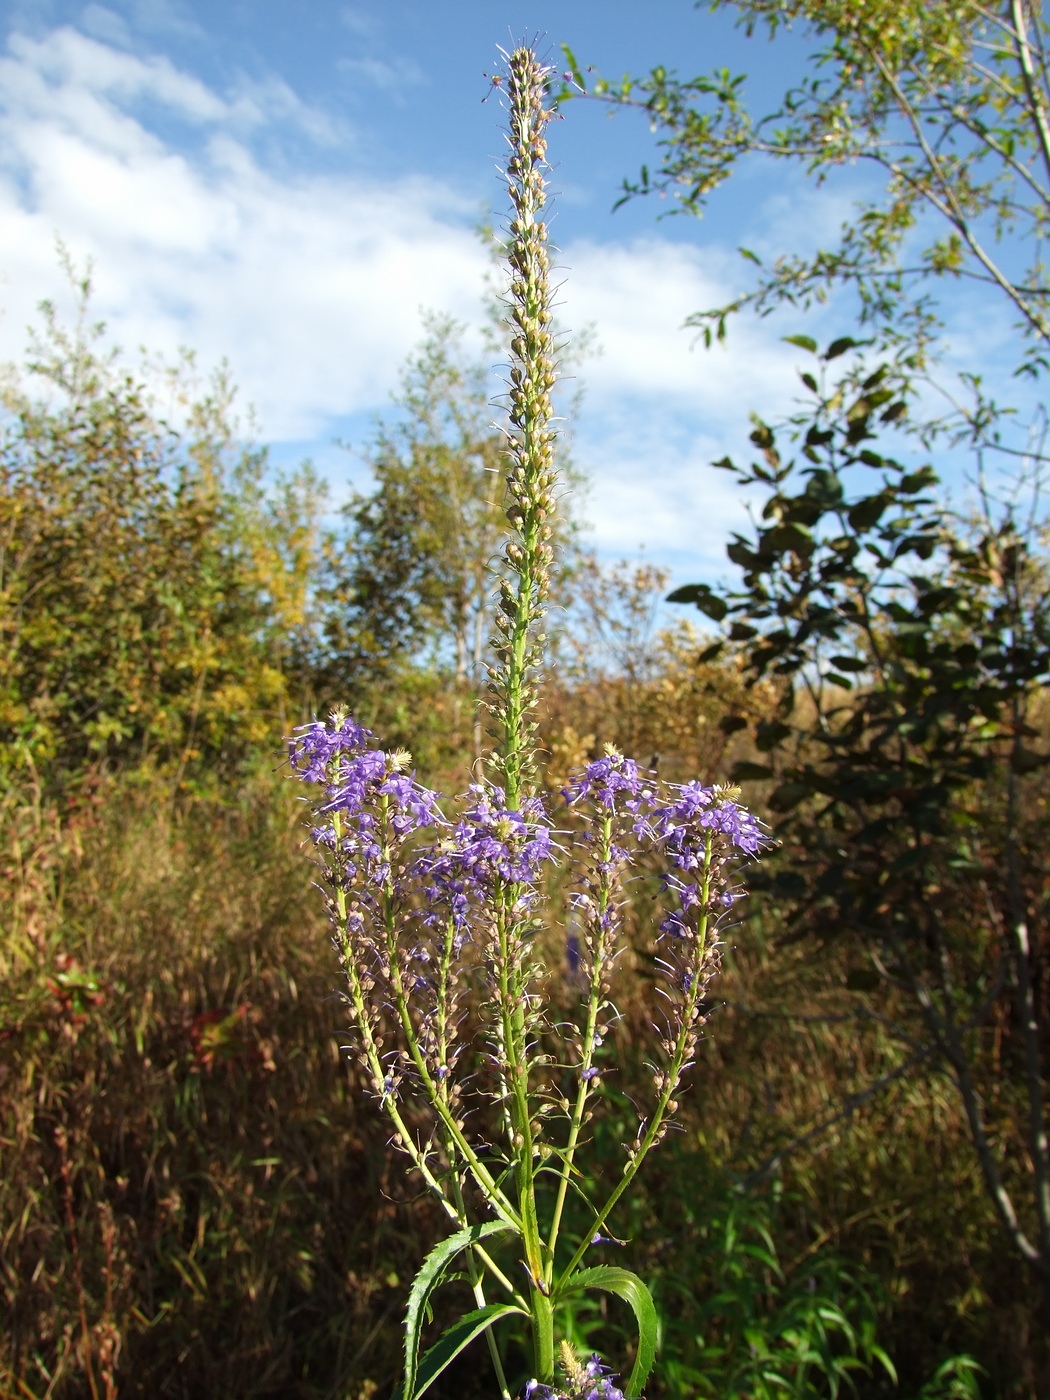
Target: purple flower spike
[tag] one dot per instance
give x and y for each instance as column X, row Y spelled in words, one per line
column 696, row 811
column 355, row 782
column 494, row 842
column 415, row 807
column 313, row 746
column 607, row 779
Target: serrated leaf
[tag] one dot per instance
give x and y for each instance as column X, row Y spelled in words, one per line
column 428, row 1278
column 451, row 1342
column 629, row 1287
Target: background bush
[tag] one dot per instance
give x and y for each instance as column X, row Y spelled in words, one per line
column 196, row 1196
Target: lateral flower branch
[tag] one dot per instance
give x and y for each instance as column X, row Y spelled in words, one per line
column 440, row 911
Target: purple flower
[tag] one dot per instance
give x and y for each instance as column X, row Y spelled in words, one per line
column 414, row 806
column 313, row 746
column 696, row 812
column 606, row 779
column 602, row 1387
column 355, row 782
column 493, row 843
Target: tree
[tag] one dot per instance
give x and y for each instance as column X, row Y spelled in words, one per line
column 149, row 584
column 949, row 101
column 410, row 582
column 910, row 646
column 413, row 570
column 910, row 650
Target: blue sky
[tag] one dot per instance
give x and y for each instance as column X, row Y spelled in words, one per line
column 287, row 184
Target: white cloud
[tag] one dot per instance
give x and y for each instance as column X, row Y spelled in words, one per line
column 639, row 295
column 311, row 284
column 659, row 408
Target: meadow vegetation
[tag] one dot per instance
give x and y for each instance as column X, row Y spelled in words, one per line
column 197, row 1197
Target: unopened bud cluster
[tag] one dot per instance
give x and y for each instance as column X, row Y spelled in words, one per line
column 530, row 439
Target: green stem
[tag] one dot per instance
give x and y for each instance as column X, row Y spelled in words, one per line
column 530, row 504
column 516, row 1051
column 673, row 1075
column 587, row 1048
column 542, row 1336
column 359, row 1010
column 479, row 1171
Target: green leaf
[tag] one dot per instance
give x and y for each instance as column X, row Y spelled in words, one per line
column 839, row 347
column 701, row 594
column 751, row 257
column 856, row 664
column 804, row 342
column 574, row 67
column 633, row 1291
column 456, row 1339
column 429, row 1277
column 865, row 513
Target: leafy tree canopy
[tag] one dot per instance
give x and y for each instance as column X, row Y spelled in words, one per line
column 949, row 101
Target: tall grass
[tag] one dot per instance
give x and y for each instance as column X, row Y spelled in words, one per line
column 195, row 1197
column 192, row 1198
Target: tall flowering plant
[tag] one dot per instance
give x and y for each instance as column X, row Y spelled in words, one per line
column 444, row 915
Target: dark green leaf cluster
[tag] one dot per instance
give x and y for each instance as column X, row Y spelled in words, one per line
column 900, row 644
column 909, row 650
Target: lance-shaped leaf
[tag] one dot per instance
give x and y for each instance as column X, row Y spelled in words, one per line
column 633, row 1291
column 430, row 1275
column 451, row 1342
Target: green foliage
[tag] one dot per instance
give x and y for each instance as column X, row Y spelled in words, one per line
column 411, row 573
column 947, row 101
column 628, row 1286
column 909, row 651
column 429, row 1277
column 760, row 1332
column 150, row 589
column 453, row 1341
